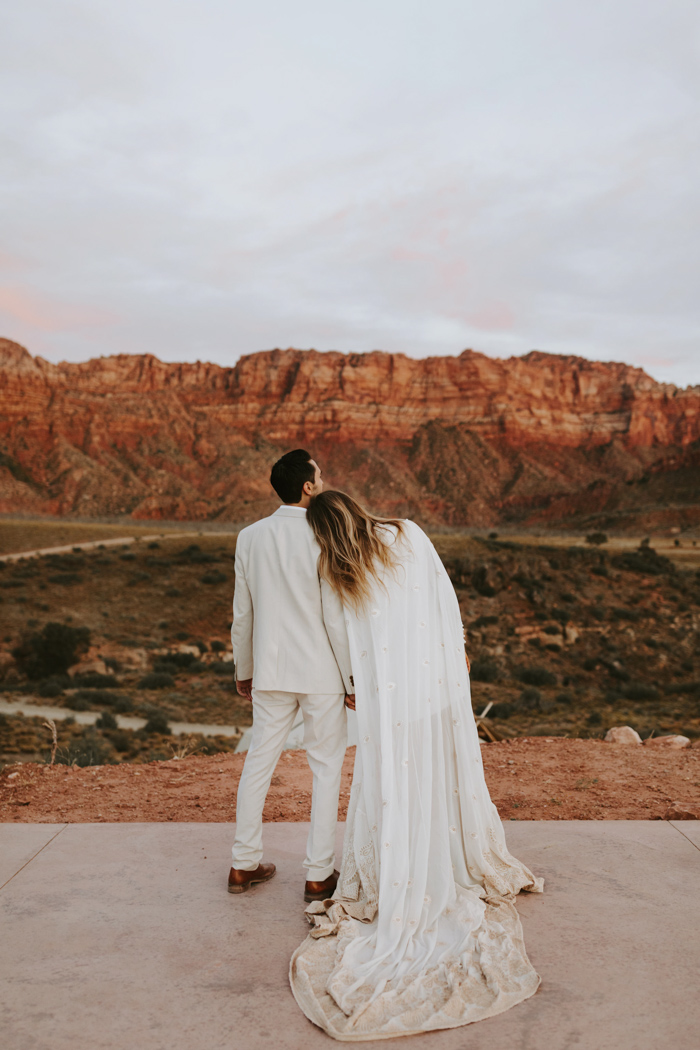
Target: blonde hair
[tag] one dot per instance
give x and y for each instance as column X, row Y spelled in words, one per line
column 352, row 549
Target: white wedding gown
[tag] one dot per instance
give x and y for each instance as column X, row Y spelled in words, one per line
column 422, row 932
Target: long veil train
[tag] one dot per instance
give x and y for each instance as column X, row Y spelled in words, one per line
column 422, row 932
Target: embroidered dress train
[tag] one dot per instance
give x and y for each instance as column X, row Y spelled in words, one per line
column 422, row 932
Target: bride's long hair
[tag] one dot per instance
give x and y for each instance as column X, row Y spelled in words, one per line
column 353, row 551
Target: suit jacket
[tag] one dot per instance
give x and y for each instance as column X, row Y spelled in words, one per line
column 287, row 634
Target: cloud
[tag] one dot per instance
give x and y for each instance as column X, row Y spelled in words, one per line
column 208, row 179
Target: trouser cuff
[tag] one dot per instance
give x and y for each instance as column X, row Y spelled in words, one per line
column 319, row 874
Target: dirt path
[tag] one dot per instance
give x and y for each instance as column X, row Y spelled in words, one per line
column 529, row 779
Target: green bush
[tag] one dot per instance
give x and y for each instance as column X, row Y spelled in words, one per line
column 530, row 699
column 536, row 676
column 52, row 687
column 107, row 721
column 157, row 723
column 90, row 749
column 78, row 702
column 218, row 647
column 484, row 671
column 94, row 680
column 481, row 582
column 99, row 696
column 52, row 650
column 640, row 691
column 223, row 667
column 66, row 579
column 156, row 680
column 213, row 577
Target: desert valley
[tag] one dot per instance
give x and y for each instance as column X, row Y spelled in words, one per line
column 562, row 495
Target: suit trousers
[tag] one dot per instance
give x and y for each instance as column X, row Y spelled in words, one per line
column 325, row 741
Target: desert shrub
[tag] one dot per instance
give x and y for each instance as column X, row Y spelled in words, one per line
column 530, row 699
column 568, row 597
column 113, row 664
column 485, row 621
column 95, row 680
column 122, row 705
column 551, row 629
column 598, row 612
column 173, row 592
column 165, row 667
column 153, row 546
column 182, row 636
column 52, row 650
column 156, row 680
column 213, row 577
column 107, row 721
column 217, row 647
column 684, row 688
column 536, row 676
column 8, row 584
column 503, row 710
column 78, row 702
column 65, row 578
column 202, row 646
column 484, row 671
column 54, row 686
column 99, row 696
column 481, row 583
column 640, row 691
column 90, row 749
column 644, row 560
column 195, row 556
column 120, row 740
column 596, row 539
column 180, row 660
column 594, row 719
column 565, row 699
column 624, row 613
column 157, row 723
column 127, row 556
column 138, row 577
column 600, row 569
column 226, row 667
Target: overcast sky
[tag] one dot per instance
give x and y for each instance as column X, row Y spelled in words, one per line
column 208, row 178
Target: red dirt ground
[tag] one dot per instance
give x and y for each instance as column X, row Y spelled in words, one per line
column 535, row 778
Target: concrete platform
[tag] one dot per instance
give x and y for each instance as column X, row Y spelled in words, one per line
column 123, row 937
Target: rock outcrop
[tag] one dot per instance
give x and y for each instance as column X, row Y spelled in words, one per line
column 456, row 440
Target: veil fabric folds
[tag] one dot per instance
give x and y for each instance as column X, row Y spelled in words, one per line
column 422, row 932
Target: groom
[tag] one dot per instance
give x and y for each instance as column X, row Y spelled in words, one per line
column 285, row 661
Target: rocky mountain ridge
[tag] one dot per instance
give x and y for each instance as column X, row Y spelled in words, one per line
column 467, row 440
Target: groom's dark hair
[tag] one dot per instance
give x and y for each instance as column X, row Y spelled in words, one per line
column 289, row 473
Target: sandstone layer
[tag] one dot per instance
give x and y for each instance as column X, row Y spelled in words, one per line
column 452, row 440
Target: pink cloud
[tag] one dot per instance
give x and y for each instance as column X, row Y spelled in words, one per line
column 48, row 316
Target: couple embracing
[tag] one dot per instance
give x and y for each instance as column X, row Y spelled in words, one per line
column 334, row 607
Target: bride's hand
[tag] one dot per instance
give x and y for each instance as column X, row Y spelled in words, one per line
column 350, row 701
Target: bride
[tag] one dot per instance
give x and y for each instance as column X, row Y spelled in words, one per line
column 422, row 931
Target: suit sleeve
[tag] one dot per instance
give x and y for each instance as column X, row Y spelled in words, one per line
column 242, row 626
column 334, row 620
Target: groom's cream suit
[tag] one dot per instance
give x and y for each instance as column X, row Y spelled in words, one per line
column 281, row 634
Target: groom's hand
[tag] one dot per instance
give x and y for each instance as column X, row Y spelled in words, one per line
column 350, row 701
column 245, row 688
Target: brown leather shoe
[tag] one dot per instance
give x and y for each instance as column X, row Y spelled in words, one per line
column 321, row 891
column 239, row 880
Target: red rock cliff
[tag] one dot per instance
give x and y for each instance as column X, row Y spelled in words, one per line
column 456, row 439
